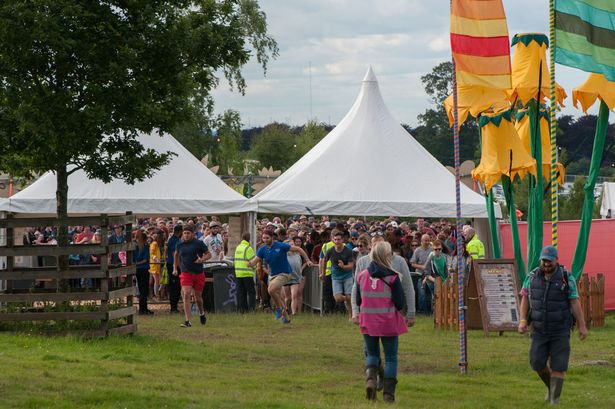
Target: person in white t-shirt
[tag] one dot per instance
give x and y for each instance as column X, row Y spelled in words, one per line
column 213, row 241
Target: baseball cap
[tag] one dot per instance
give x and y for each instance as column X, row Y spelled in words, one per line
column 354, row 234
column 188, row 227
column 548, row 253
column 214, row 224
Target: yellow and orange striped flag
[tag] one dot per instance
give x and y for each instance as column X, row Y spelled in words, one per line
column 480, row 44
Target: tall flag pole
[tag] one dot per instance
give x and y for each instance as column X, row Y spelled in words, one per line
column 463, row 357
column 553, row 125
column 481, row 64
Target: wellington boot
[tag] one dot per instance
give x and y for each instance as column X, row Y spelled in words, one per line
column 555, row 390
column 380, row 378
column 545, row 376
column 389, row 389
column 370, row 382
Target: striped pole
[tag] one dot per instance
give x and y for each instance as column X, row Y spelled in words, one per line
column 463, row 359
column 553, row 125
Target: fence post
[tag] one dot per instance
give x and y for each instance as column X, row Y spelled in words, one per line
column 597, row 300
column 130, row 320
column 584, row 296
column 436, row 306
column 104, row 267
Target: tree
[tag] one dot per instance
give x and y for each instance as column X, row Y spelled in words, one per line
column 434, row 131
column 228, row 140
column 310, row 135
column 81, row 79
column 275, row 147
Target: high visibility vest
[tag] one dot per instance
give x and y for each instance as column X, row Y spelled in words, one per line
column 475, row 248
column 325, row 247
column 243, row 254
column 378, row 316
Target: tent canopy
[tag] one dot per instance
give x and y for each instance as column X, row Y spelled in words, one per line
column 369, row 165
column 607, row 208
column 183, row 187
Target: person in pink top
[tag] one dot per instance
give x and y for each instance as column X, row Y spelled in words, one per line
column 380, row 297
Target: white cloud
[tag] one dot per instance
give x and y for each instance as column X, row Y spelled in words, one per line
column 401, row 39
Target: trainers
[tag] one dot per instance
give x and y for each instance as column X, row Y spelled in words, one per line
column 278, row 313
column 186, row 324
column 285, row 320
column 203, row 319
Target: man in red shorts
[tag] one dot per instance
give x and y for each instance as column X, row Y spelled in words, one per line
column 190, row 254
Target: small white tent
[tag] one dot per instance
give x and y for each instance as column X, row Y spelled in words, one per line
column 607, row 208
column 369, row 165
column 183, row 187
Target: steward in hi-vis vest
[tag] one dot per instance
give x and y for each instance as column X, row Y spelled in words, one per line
column 246, row 290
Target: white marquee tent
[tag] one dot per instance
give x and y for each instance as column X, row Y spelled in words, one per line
column 369, row 165
column 607, row 208
column 183, row 187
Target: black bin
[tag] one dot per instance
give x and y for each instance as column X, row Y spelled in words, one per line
column 222, row 295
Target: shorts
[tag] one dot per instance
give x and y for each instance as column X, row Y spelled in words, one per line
column 295, row 278
column 556, row 347
column 196, row 281
column 280, row 279
column 342, row 286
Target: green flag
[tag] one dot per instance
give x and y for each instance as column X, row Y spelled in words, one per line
column 585, row 35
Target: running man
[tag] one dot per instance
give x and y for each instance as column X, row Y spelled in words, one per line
column 190, row 254
column 274, row 254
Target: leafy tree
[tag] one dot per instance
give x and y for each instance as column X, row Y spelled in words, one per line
column 434, row 132
column 228, row 140
column 310, row 135
column 275, row 146
column 81, row 79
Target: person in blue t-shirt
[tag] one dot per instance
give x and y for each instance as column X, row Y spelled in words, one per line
column 274, row 254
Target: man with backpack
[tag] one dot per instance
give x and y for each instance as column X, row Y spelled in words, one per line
column 549, row 301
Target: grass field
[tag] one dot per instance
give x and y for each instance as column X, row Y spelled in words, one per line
column 252, row 361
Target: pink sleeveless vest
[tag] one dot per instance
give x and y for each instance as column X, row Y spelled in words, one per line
column 378, row 316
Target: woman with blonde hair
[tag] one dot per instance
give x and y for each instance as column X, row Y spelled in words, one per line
column 380, row 297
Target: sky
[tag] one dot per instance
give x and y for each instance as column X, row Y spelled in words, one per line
column 401, row 39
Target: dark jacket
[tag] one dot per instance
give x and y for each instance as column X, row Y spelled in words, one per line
column 549, row 302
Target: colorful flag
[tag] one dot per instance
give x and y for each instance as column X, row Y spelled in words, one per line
column 585, row 35
column 480, row 45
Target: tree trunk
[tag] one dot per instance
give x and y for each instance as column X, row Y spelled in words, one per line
column 62, row 214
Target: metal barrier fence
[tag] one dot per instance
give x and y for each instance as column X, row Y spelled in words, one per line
column 312, row 293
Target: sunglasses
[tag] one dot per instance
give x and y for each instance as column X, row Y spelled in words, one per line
column 361, row 245
column 438, row 249
column 377, row 233
column 414, row 245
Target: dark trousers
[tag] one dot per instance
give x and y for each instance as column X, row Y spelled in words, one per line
column 263, row 292
column 143, row 284
column 327, row 295
column 246, row 294
column 174, row 288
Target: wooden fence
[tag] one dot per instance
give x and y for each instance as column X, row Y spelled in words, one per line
column 41, row 295
column 446, row 299
column 445, row 303
column 591, row 294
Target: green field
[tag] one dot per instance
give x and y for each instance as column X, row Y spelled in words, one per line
column 252, row 361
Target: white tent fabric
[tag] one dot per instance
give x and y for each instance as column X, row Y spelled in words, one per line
column 370, row 166
column 183, row 187
column 607, row 208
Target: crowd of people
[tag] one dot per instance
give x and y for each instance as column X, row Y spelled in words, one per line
column 379, row 272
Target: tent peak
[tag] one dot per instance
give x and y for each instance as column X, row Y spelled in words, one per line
column 370, row 76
